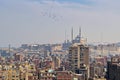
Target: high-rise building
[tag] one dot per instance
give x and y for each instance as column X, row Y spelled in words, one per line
column 79, row 59
column 78, row 55
column 113, row 68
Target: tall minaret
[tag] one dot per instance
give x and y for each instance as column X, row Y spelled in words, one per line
column 65, row 36
column 72, row 35
column 80, row 34
column 9, row 49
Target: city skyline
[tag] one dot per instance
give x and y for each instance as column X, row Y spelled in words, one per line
column 45, row 21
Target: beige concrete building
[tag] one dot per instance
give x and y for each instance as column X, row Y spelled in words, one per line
column 56, row 62
column 11, row 75
column 79, row 58
column 78, row 55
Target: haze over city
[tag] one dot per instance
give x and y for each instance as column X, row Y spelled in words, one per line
column 45, row 21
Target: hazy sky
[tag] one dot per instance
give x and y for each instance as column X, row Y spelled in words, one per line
column 45, row 21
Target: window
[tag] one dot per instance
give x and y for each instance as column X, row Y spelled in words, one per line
column 81, row 54
column 76, row 61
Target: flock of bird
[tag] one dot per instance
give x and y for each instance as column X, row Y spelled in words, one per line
column 51, row 13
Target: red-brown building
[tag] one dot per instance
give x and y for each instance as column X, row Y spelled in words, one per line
column 63, row 75
column 18, row 57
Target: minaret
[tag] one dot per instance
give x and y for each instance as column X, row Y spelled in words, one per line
column 9, row 50
column 72, row 35
column 80, row 34
column 65, row 36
